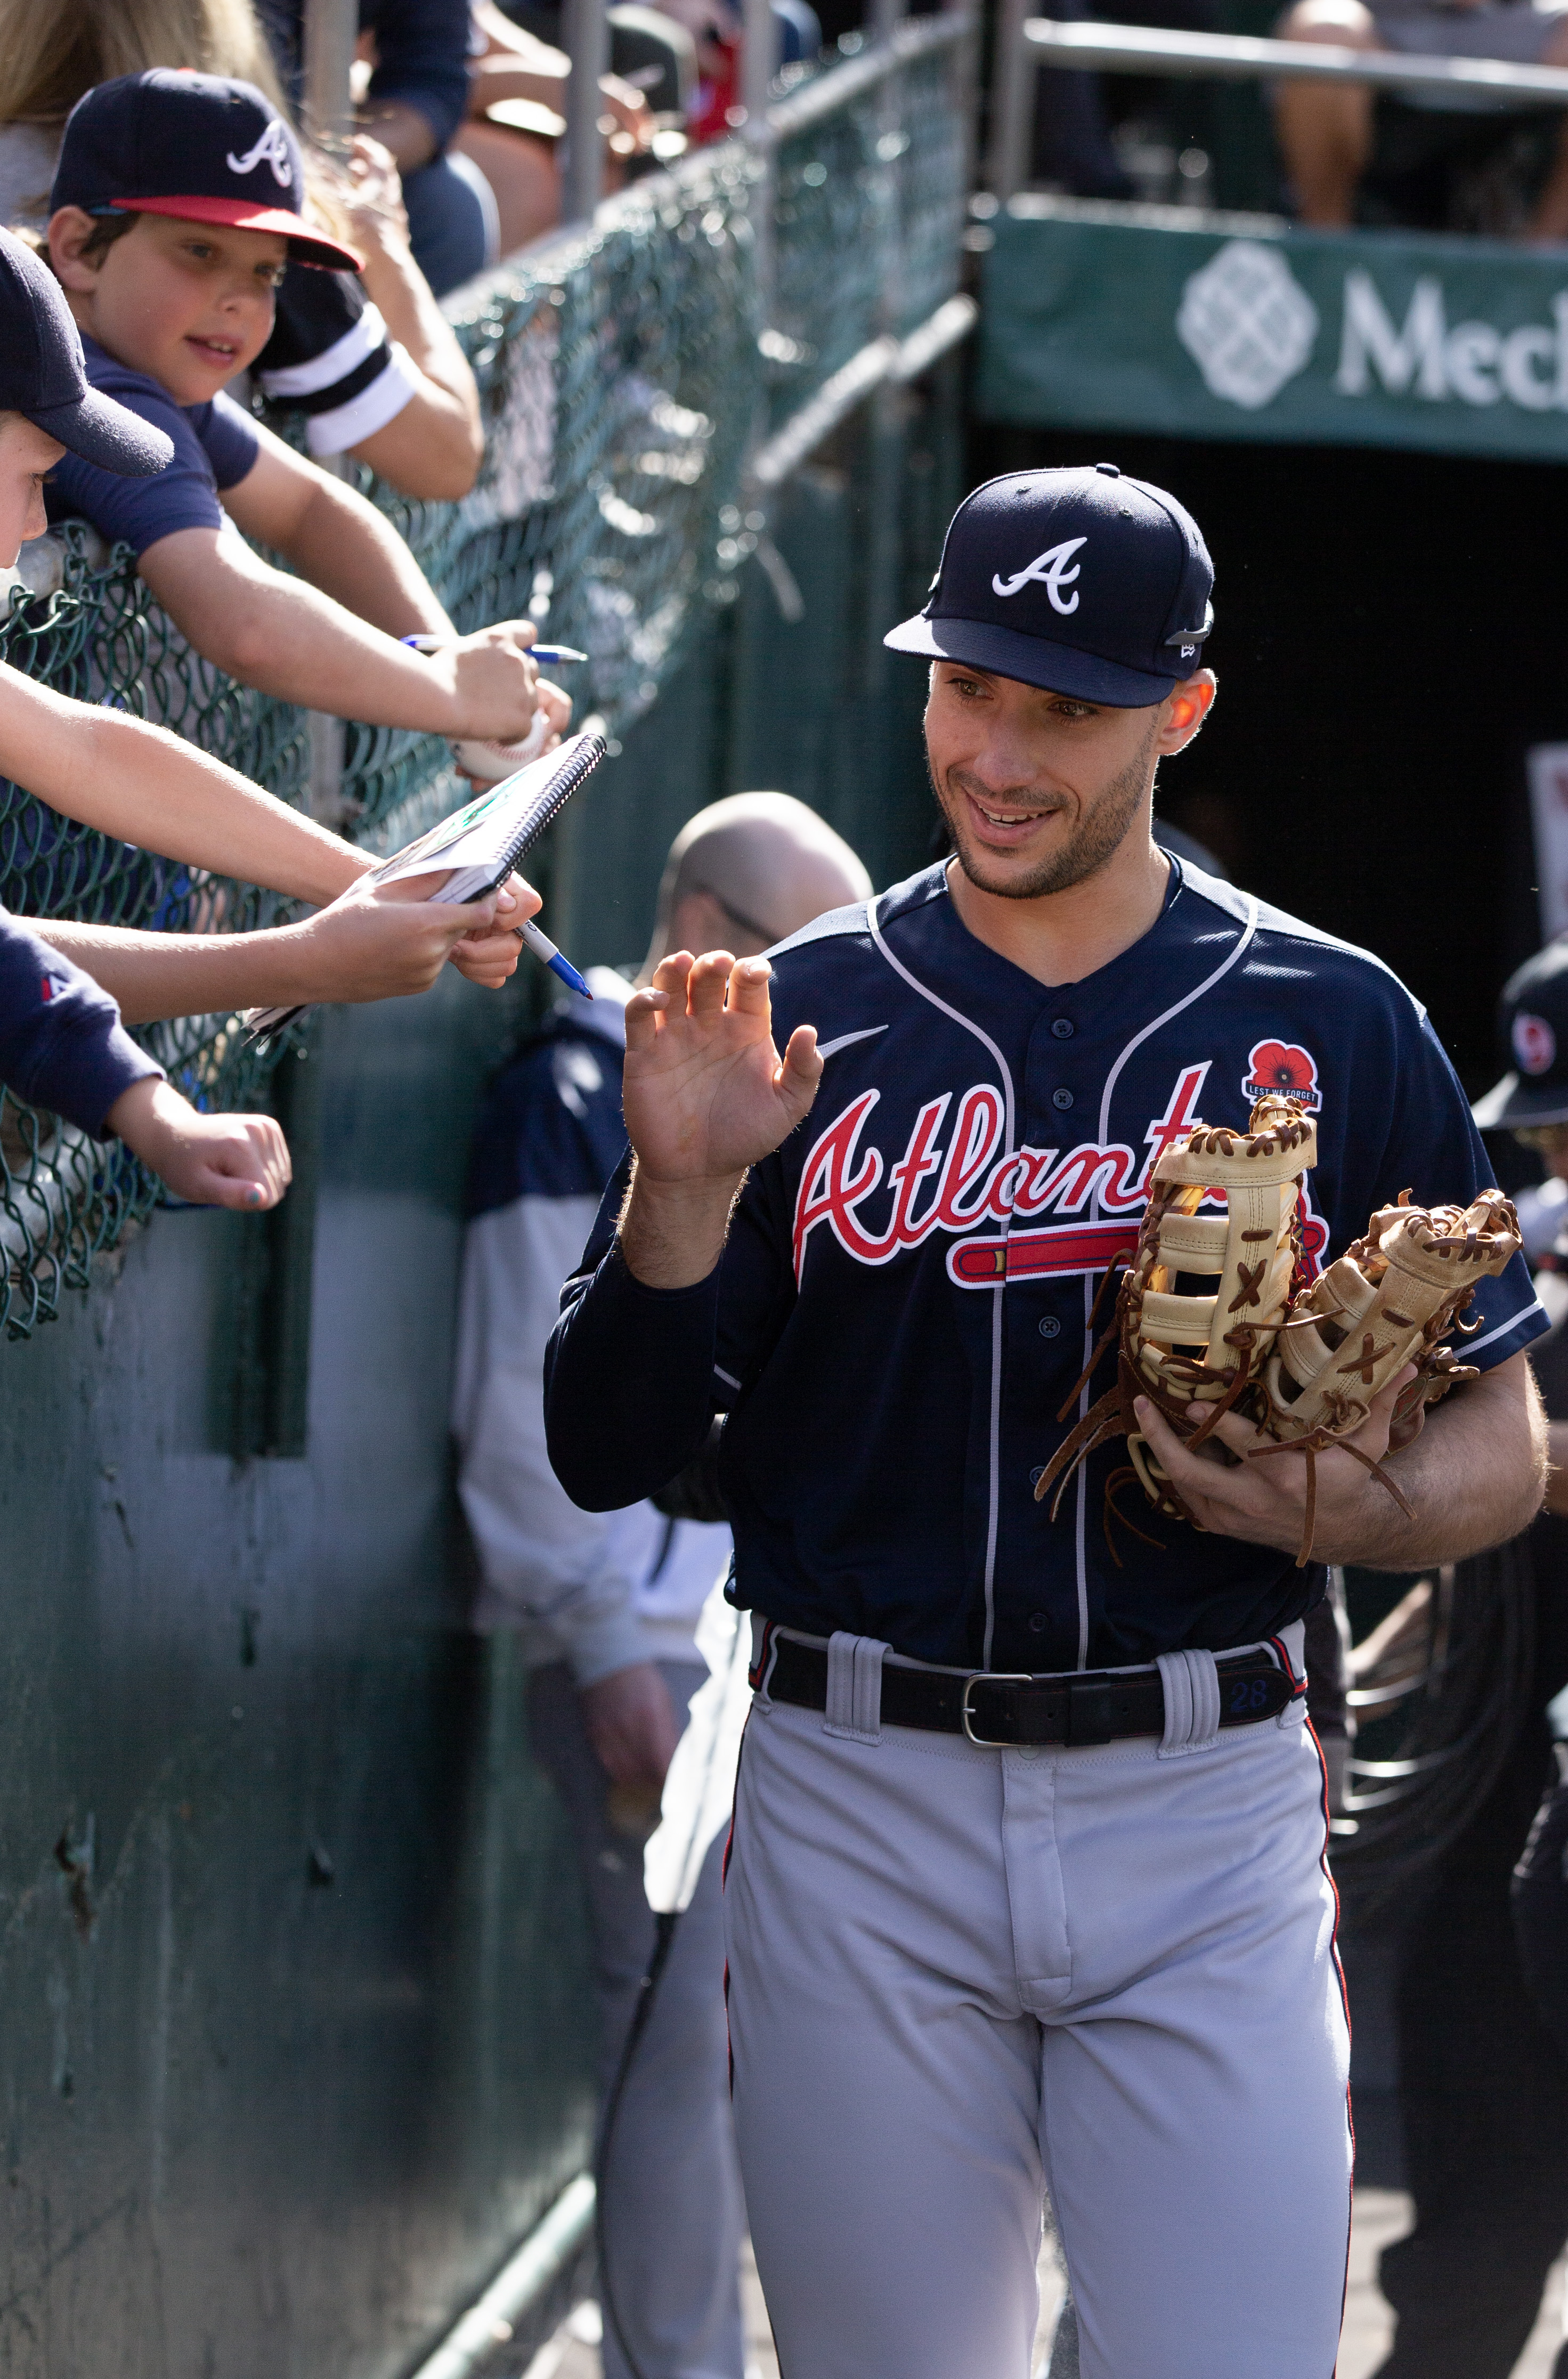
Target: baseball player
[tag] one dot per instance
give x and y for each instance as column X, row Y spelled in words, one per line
column 1026, row 1883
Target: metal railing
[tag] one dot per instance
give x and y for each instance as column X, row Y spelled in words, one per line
column 1026, row 43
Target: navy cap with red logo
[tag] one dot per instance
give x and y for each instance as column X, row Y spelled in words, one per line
column 43, row 376
column 1532, row 1022
column 1077, row 580
column 203, row 147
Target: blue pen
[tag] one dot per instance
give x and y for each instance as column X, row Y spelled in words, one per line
column 543, row 948
column 551, row 656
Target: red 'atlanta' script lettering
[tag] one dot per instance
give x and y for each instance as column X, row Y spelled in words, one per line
column 968, row 1179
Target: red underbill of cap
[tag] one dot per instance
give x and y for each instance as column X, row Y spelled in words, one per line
column 244, row 214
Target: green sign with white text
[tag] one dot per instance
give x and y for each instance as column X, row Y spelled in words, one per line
column 1214, row 327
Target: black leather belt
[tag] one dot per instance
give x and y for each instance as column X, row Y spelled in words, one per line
column 1001, row 1712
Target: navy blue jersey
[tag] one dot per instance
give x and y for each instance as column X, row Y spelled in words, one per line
column 904, row 1302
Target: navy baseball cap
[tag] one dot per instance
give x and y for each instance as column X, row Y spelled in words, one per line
column 1077, row 580
column 203, row 147
column 43, row 376
column 1532, row 1024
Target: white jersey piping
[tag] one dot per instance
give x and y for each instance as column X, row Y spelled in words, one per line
column 1472, row 1345
column 995, row 1484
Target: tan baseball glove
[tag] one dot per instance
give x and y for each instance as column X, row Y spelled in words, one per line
column 1392, row 1299
column 1181, row 1341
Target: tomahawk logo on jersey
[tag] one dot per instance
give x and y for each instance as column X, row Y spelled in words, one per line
column 905, row 1300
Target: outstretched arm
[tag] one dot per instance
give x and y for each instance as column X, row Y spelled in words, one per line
column 144, row 785
column 327, row 638
column 1473, row 1478
column 706, row 1096
column 377, row 942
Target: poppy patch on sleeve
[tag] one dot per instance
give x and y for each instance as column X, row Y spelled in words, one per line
column 1282, row 1066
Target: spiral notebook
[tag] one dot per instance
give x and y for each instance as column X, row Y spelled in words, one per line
column 480, row 843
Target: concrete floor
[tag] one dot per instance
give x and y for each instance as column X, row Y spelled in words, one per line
column 1381, row 2215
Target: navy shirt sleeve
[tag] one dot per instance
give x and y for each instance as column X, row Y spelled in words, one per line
column 633, row 1375
column 62, row 1044
column 629, row 1377
column 229, row 437
column 215, row 446
column 422, row 58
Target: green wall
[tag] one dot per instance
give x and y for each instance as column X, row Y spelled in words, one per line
column 294, row 2045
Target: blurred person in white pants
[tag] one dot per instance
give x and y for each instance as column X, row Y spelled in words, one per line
column 607, row 1604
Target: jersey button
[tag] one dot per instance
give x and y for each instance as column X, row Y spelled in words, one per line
column 1037, row 1623
column 1049, row 1326
column 1062, row 1099
column 1062, row 1028
column 1037, row 1474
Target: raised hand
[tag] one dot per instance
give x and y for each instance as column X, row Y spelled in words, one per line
column 705, row 1090
column 705, row 1095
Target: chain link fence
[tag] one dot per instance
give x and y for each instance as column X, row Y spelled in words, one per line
column 623, row 373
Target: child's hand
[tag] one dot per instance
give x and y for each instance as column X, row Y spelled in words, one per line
column 484, row 947
column 491, row 681
column 390, row 941
column 490, row 955
column 212, row 1160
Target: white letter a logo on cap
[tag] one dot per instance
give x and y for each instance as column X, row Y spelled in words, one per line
column 273, row 147
column 1052, row 570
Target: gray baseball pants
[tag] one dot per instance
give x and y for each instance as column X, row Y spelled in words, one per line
column 673, row 2210
column 959, row 1975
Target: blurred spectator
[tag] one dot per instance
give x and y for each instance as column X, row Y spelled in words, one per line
column 375, row 367
column 712, row 28
column 516, row 114
column 1483, row 2086
column 715, row 26
column 1347, row 157
column 55, row 50
column 605, row 1603
column 415, row 97
column 1080, row 117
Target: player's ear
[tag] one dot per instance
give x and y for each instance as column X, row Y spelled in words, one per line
column 1185, row 708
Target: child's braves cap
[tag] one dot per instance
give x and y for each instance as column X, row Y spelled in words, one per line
column 42, row 374
column 203, row 147
column 1078, row 581
column 1532, row 1026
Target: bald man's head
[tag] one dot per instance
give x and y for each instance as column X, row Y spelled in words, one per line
column 749, row 872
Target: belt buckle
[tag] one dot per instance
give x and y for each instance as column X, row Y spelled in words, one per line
column 989, row 1677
